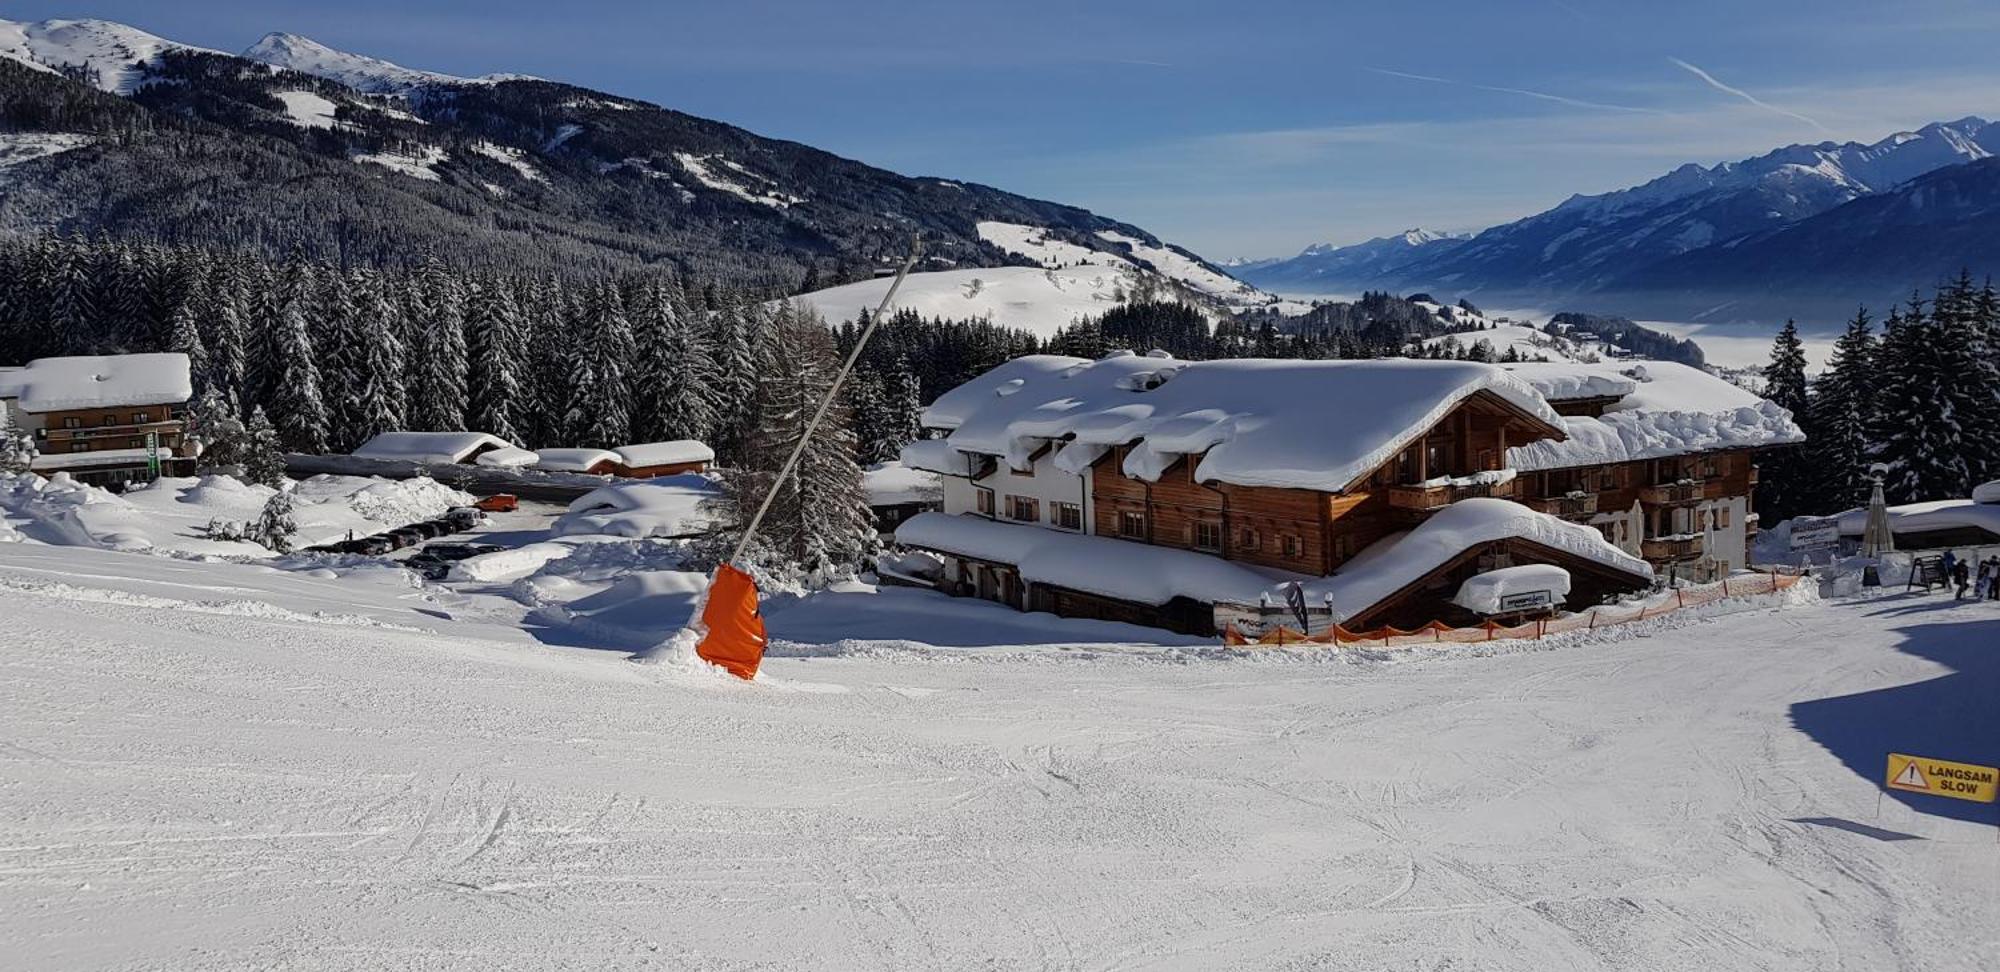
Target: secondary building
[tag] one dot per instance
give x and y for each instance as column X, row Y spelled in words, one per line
column 103, row 419
column 1348, row 485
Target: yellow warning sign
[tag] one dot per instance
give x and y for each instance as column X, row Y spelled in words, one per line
column 1940, row 777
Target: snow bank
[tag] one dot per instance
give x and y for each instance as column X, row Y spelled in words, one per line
column 1483, row 593
column 445, row 447
column 98, row 381
column 1257, row 422
column 573, row 460
column 505, row 565
column 669, row 506
column 665, row 453
column 893, row 483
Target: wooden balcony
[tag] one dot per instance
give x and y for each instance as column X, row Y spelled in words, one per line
column 173, row 427
column 1676, row 494
column 1423, row 499
column 1664, row 549
column 1580, row 505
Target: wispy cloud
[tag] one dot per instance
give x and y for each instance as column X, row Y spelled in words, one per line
column 1524, row 92
column 1711, row 81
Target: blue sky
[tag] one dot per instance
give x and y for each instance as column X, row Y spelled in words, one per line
column 1239, row 129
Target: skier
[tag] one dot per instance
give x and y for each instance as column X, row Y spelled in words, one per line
column 1961, row 578
column 1984, row 580
column 1946, row 564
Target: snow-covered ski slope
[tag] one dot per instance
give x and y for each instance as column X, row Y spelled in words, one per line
column 215, row 765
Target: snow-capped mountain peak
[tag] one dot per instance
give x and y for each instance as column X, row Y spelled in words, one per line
column 111, row 56
column 370, row 75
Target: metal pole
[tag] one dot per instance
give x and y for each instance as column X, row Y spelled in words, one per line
column 826, row 404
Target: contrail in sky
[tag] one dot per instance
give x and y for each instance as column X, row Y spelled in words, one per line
column 1710, row 80
column 1542, row 95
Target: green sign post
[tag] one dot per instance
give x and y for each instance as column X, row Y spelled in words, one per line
column 153, row 454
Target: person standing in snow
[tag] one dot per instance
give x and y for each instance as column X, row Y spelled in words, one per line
column 1961, row 578
column 1993, row 579
column 1980, row 582
column 1947, row 564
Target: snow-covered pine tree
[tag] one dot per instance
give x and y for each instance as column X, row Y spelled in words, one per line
column 17, row 447
column 547, row 363
column 600, row 407
column 263, row 308
column 1918, row 433
column 819, row 524
column 73, row 314
column 737, row 327
column 867, row 410
column 222, row 315
column 184, row 336
column 903, row 394
column 214, row 428
column 495, row 339
column 1837, row 420
column 277, row 524
column 379, row 400
column 261, row 457
column 438, row 353
column 297, row 406
column 1785, row 489
column 673, row 385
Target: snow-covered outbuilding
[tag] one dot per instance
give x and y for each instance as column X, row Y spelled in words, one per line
column 434, row 448
column 671, row 458
column 897, row 492
column 104, row 419
column 600, row 462
column 1937, row 524
column 1302, row 470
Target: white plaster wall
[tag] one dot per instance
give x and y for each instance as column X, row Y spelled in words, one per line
column 1049, row 485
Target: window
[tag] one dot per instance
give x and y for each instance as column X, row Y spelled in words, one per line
column 137, row 442
column 1069, row 516
column 110, row 419
column 79, row 447
column 1435, row 455
column 1207, row 535
column 1132, row 526
column 1250, row 540
column 1722, row 517
column 1607, row 480
column 72, row 422
column 1709, row 469
column 983, row 500
column 1026, row 509
column 138, row 418
column 1293, row 546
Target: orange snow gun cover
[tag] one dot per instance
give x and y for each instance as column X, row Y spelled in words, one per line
column 735, row 638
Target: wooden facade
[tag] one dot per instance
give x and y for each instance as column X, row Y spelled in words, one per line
column 660, row 469
column 1313, row 531
column 1428, row 598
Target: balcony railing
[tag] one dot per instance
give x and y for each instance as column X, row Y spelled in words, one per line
column 1669, row 494
column 102, row 431
column 1671, row 548
column 1582, row 504
column 1422, row 498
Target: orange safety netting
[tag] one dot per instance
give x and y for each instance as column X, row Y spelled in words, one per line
column 735, row 635
column 1597, row 617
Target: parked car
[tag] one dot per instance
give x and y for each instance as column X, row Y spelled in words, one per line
column 374, row 546
column 458, row 551
column 463, row 517
column 430, row 568
column 405, row 537
column 431, row 529
column 499, row 503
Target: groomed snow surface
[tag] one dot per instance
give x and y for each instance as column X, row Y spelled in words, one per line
column 221, row 765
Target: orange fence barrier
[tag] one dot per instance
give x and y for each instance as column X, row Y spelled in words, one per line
column 1436, row 632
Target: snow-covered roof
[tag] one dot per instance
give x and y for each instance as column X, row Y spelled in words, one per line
column 1485, row 593
column 508, row 458
column 573, row 460
column 1951, row 514
column 98, row 381
column 1394, row 562
column 1665, row 409
column 1256, row 422
column 454, row 447
column 937, row 455
column 894, row 483
column 1150, row 574
column 1986, row 492
column 665, row 453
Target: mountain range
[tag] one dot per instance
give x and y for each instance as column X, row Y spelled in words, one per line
column 1806, row 230
column 292, row 145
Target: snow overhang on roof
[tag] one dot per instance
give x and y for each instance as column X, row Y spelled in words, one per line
column 668, row 453
column 1670, row 409
column 98, row 381
column 573, row 460
column 1255, row 422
